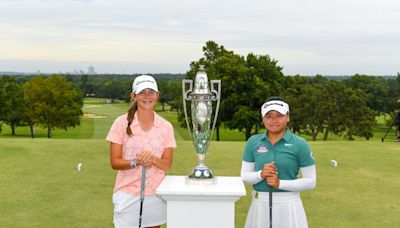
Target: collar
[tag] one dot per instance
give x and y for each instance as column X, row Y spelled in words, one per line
column 157, row 120
column 285, row 137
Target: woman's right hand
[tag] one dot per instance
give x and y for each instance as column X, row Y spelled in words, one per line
column 145, row 158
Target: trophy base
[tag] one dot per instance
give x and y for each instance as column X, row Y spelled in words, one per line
column 201, row 175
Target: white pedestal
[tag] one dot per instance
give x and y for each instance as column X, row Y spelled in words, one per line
column 200, row 206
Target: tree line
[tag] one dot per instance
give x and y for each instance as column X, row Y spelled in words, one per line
column 50, row 102
column 56, row 101
column 319, row 106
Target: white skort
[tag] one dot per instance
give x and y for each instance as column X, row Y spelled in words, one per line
column 287, row 211
column 127, row 208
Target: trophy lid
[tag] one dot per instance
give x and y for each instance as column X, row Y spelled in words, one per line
column 201, row 82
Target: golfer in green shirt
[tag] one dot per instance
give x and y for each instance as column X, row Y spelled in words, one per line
column 273, row 160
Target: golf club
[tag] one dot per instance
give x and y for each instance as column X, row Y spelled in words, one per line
column 142, row 195
column 270, row 197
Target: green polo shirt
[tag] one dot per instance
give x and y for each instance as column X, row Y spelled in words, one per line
column 290, row 153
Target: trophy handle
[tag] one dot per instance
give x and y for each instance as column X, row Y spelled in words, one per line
column 216, row 96
column 187, row 97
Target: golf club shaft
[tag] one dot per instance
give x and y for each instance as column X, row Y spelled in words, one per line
column 142, row 185
column 270, row 198
column 270, row 206
column 140, row 216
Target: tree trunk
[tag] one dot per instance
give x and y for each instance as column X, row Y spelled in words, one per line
column 32, row 131
column 326, row 133
column 49, row 132
column 13, row 129
column 217, row 132
column 257, row 128
column 248, row 132
column 314, row 136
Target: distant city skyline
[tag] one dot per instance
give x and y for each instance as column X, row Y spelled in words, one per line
column 128, row 37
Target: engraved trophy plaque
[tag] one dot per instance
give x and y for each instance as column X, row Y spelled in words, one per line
column 201, row 98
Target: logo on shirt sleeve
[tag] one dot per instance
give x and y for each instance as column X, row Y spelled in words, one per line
column 312, row 155
column 262, row 149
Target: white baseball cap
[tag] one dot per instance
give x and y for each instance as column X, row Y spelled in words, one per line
column 144, row 82
column 274, row 105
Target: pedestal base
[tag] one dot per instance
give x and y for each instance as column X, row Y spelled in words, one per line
column 199, row 181
column 199, row 206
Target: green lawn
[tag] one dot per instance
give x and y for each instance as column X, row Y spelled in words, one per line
column 40, row 186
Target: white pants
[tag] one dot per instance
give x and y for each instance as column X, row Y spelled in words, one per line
column 127, row 209
column 287, row 211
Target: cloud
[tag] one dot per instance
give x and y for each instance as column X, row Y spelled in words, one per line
column 306, row 37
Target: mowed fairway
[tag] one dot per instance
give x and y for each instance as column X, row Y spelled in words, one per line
column 40, row 187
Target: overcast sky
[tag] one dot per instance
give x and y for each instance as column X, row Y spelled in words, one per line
column 307, row 37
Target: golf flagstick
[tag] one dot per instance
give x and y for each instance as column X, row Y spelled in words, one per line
column 143, row 181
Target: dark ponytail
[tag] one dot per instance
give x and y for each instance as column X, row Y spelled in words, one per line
column 131, row 115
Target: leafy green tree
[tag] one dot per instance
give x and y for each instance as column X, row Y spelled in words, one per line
column 239, row 88
column 393, row 94
column 377, row 91
column 12, row 102
column 2, row 100
column 253, row 81
column 115, row 90
column 323, row 106
column 173, row 94
column 302, row 98
column 54, row 102
column 345, row 111
column 170, row 92
column 358, row 116
column 246, row 83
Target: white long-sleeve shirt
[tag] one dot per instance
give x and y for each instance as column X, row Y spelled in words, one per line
column 308, row 180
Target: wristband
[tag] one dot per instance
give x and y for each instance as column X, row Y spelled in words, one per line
column 132, row 163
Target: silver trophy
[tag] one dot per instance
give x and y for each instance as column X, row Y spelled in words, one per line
column 201, row 97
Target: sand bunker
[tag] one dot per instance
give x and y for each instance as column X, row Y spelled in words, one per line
column 93, row 116
column 92, row 106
